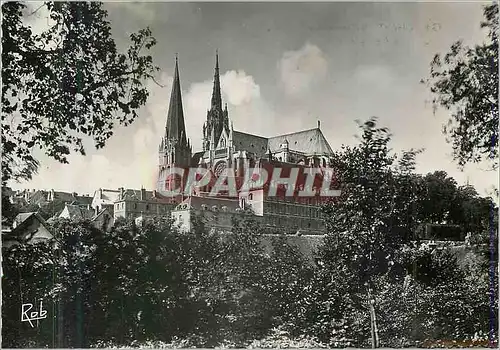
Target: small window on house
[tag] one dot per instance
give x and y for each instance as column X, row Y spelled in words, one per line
column 135, row 205
column 250, row 196
column 147, row 206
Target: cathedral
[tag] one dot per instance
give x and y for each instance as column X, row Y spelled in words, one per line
column 230, row 152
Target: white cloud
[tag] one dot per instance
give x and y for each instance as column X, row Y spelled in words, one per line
column 300, row 69
column 246, row 108
column 239, row 88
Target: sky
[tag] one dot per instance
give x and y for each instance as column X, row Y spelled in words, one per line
column 284, row 67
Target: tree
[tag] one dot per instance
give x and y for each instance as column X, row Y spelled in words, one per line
column 9, row 210
column 362, row 238
column 66, row 83
column 465, row 82
column 440, row 197
column 359, row 224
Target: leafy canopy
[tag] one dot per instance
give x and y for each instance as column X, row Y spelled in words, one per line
column 67, row 82
column 465, row 82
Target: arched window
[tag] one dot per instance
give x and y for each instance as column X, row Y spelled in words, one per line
column 324, row 163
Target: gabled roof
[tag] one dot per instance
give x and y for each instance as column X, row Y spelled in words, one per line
column 100, row 213
column 22, row 221
column 108, row 196
column 248, row 142
column 77, row 212
column 150, row 196
column 64, row 196
column 21, row 217
column 85, row 200
column 39, row 196
column 131, row 194
column 308, row 142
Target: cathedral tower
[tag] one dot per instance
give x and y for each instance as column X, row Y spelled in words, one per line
column 217, row 118
column 175, row 149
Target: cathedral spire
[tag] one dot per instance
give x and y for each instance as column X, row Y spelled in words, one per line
column 175, row 127
column 216, row 94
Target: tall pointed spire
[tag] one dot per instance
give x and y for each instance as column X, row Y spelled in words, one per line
column 175, row 128
column 216, row 94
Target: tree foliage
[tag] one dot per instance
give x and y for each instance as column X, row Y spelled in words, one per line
column 66, row 83
column 150, row 284
column 465, row 82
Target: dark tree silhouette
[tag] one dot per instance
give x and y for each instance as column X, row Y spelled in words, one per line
column 66, row 83
column 465, row 82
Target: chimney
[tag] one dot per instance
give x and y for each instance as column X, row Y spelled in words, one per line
column 143, row 194
column 319, row 124
column 100, row 193
column 122, row 192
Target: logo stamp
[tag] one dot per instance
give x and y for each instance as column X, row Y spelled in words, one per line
column 28, row 316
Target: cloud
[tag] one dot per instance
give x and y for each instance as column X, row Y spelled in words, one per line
column 246, row 107
column 374, row 75
column 239, row 88
column 300, row 70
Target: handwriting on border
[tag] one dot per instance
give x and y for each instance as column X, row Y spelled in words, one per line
column 33, row 315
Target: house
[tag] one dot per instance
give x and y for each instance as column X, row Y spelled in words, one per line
column 76, row 212
column 132, row 204
column 215, row 213
column 27, row 228
column 104, row 198
column 104, row 219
